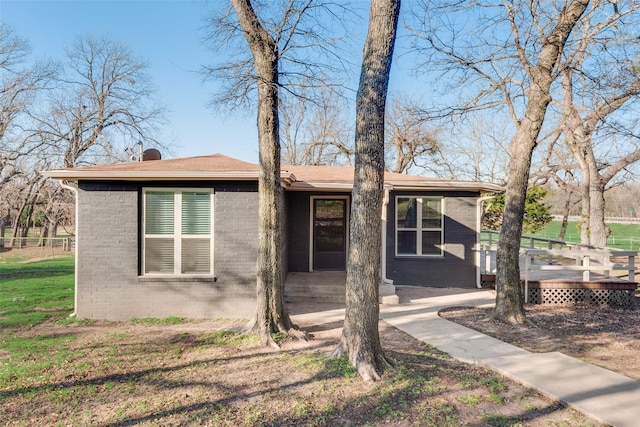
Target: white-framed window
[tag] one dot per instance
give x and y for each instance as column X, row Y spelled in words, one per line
column 419, row 226
column 178, row 231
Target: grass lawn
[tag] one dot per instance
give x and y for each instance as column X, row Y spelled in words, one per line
column 623, row 236
column 172, row 372
column 34, row 292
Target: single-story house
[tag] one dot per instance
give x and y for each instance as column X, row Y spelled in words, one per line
column 179, row 237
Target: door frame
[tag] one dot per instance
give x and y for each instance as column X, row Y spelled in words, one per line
column 347, row 199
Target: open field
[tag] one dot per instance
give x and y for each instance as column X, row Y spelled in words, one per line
column 623, row 236
column 58, row 371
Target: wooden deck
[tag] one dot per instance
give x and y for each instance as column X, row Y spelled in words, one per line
column 570, row 278
column 567, row 272
column 569, row 287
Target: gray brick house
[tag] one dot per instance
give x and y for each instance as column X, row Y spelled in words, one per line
column 178, row 237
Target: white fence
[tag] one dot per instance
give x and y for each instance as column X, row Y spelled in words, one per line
column 65, row 243
column 609, row 219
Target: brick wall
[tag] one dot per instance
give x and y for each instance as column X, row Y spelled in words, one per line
column 108, row 284
column 236, row 237
column 456, row 268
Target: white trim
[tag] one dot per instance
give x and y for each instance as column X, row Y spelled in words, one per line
column 76, row 192
column 418, row 229
column 479, row 253
column 110, row 175
column 288, row 179
column 177, row 234
column 159, row 175
column 384, row 224
column 347, row 198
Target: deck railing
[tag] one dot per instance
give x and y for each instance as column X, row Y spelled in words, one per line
column 584, row 260
column 490, row 238
column 489, row 246
column 553, row 254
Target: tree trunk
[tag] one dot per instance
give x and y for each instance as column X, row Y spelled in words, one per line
column 271, row 314
column 593, row 230
column 360, row 336
column 3, row 229
column 44, row 232
column 599, row 232
column 509, row 300
column 566, row 212
column 29, row 221
column 16, row 224
column 585, row 206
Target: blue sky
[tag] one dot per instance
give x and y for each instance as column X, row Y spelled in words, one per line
column 166, row 33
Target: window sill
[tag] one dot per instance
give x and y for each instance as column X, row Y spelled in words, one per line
column 408, row 257
column 171, row 278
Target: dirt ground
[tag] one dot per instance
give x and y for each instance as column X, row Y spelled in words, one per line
column 605, row 336
column 204, row 373
column 193, row 373
column 31, row 254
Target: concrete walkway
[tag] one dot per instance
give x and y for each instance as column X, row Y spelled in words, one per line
column 606, row 396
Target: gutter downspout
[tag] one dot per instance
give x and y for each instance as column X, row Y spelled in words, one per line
column 74, row 190
column 387, row 290
column 479, row 253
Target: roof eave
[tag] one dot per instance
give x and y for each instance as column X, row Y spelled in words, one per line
column 76, row 175
column 400, row 186
column 319, row 186
column 288, row 180
column 71, row 175
column 444, row 185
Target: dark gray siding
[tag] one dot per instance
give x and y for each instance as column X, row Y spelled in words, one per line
column 298, row 222
column 285, row 234
column 298, row 230
column 108, row 256
column 456, row 268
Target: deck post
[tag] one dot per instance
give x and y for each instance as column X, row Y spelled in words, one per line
column 586, row 274
column 606, row 262
column 632, row 268
column 487, row 260
column 526, row 277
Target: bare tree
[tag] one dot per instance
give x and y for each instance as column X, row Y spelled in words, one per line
column 291, row 50
column 476, row 149
column 600, row 88
column 18, row 88
column 509, row 301
column 512, row 51
column 410, row 142
column 105, row 98
column 14, row 83
column 57, row 209
column 271, row 314
column 624, row 200
column 310, row 51
column 315, row 131
column 555, row 171
column 360, row 337
column 103, row 102
column 26, row 195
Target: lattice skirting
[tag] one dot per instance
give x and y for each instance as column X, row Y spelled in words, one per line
column 623, row 297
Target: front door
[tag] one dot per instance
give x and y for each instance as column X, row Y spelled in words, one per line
column 330, row 234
